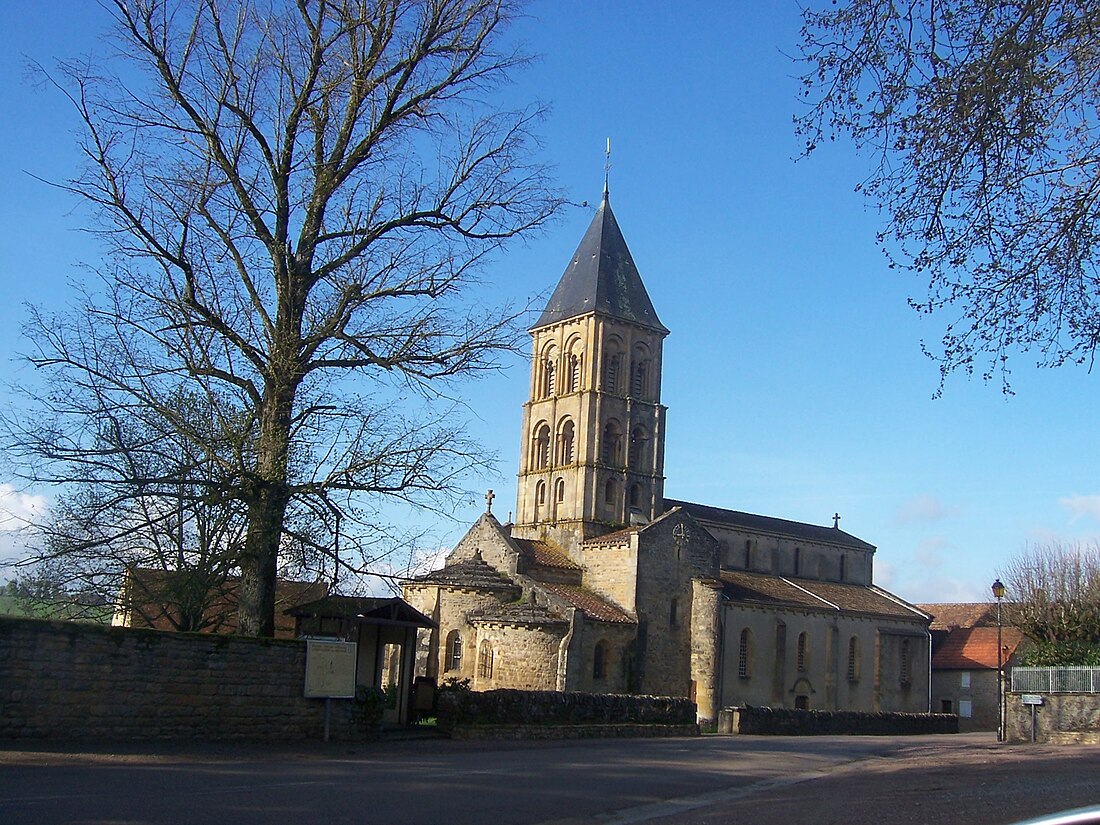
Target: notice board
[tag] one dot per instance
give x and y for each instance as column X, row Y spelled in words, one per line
column 330, row 669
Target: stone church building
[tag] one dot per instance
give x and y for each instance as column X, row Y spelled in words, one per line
column 603, row 584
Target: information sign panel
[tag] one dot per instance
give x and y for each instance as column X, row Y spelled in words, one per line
column 330, row 669
column 1031, row 699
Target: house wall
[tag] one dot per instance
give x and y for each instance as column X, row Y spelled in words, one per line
column 448, row 608
column 619, row 664
column 612, row 571
column 84, row 681
column 671, row 554
column 525, row 657
column 950, row 686
column 774, row 678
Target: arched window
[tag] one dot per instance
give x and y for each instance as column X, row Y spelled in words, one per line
column 454, row 650
column 748, row 554
column 843, row 567
column 542, row 447
column 853, row 659
column 599, row 660
column 573, row 372
column 798, row 561
column 566, row 437
column 639, row 379
column 540, row 493
column 744, row 653
column 612, row 367
column 803, row 653
column 611, row 446
column 485, row 661
column 906, row 666
column 610, row 491
column 547, row 366
column 635, row 498
column 559, row 490
column 639, row 440
column 673, row 619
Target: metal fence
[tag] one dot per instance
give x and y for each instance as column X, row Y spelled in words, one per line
column 1055, row 680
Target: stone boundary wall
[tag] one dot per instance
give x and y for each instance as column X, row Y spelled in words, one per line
column 1063, row 718
column 458, row 711
column 791, row 722
column 540, row 732
column 68, row 680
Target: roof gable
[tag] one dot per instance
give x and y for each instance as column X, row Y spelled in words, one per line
column 601, row 278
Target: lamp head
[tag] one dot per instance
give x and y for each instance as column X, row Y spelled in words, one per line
column 998, row 590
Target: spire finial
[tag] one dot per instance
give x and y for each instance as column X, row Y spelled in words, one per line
column 606, row 168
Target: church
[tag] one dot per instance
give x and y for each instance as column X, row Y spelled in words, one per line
column 603, row 584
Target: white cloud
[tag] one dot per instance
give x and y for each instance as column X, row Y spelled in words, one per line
column 1082, row 506
column 19, row 511
column 921, row 509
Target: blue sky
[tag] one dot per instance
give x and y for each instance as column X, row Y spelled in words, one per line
column 793, row 374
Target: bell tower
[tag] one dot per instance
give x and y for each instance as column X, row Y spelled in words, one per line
column 592, row 451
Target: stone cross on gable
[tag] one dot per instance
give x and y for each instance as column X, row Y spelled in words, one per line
column 836, row 521
column 489, row 496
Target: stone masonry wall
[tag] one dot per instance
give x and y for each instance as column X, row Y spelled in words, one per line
column 80, row 681
column 1063, row 718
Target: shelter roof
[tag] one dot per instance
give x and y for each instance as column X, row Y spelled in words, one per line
column 601, row 277
column 975, row 648
column 372, row 609
column 591, row 604
column 769, row 524
column 946, row 616
column 472, row 573
column 762, row 589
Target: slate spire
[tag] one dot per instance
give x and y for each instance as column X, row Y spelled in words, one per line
column 601, row 278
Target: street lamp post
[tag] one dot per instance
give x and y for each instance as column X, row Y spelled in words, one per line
column 998, row 593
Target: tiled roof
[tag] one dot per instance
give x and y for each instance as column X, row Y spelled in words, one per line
column 591, row 604
column 617, row 537
column 973, row 648
column 522, row 613
column 961, row 614
column 756, row 588
column 366, row 607
column 768, row 524
column 474, row 573
column 542, row 554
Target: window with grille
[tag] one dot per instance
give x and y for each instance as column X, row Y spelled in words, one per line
column 743, row 651
column 485, row 661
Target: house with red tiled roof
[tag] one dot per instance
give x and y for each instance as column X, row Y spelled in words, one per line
column 603, row 584
column 965, row 661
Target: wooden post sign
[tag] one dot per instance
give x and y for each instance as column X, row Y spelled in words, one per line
column 330, row 669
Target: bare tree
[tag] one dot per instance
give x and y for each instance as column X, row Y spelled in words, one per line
column 298, row 197
column 982, row 119
column 1054, row 593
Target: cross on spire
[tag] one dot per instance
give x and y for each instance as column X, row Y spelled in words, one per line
column 489, row 496
column 606, row 167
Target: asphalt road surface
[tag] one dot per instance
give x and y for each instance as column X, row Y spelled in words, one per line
column 712, row 779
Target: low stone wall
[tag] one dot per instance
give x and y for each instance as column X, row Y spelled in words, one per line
column 66, row 680
column 790, row 722
column 1063, row 718
column 549, row 714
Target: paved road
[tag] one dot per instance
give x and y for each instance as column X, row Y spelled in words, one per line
column 698, row 780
